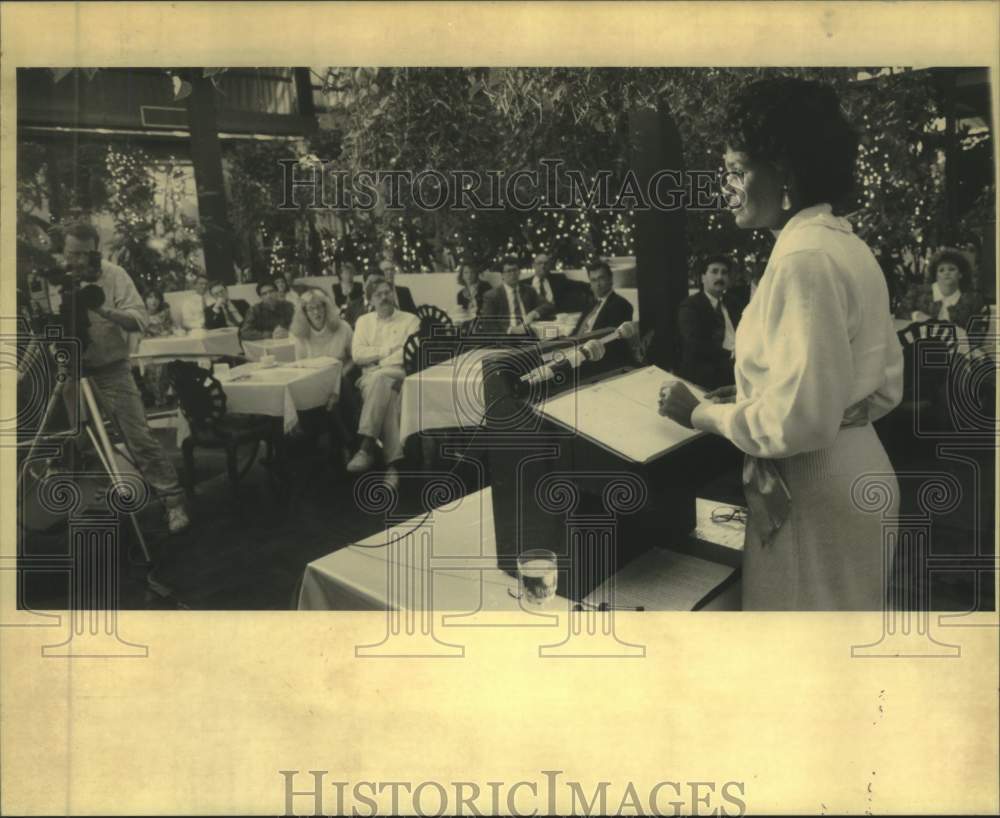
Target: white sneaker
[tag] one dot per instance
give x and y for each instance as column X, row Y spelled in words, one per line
column 391, row 478
column 177, row 518
column 361, row 462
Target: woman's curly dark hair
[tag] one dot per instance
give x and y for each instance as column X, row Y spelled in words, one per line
column 799, row 122
column 951, row 256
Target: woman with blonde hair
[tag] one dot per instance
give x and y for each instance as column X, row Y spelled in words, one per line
column 318, row 330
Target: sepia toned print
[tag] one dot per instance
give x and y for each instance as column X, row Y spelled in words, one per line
column 584, row 367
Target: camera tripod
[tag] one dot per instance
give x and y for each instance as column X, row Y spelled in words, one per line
column 88, row 416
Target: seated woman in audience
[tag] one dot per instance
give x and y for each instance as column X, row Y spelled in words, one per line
column 470, row 296
column 318, row 330
column 949, row 295
column 285, row 292
column 161, row 323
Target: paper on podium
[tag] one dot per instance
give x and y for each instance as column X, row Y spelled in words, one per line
column 662, row 580
column 622, row 414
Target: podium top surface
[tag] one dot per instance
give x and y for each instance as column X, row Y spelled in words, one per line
column 621, row 414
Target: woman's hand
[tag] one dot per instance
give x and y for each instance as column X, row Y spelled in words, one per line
column 677, row 403
column 724, row 394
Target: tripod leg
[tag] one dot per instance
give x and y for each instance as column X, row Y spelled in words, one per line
column 96, row 421
column 50, row 408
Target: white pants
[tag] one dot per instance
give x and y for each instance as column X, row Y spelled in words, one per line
column 380, row 409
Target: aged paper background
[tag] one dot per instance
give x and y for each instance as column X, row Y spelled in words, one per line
column 226, row 700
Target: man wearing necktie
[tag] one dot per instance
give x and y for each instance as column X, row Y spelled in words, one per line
column 511, row 307
column 555, row 292
column 707, row 326
column 608, row 310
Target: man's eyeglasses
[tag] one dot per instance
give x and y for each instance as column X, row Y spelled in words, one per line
column 267, row 292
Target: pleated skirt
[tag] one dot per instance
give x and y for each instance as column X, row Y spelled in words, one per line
column 834, row 551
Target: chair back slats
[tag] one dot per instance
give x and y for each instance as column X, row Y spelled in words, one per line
column 941, row 332
column 200, row 395
column 432, row 317
column 411, row 354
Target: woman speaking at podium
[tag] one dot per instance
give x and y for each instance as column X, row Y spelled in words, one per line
column 817, row 360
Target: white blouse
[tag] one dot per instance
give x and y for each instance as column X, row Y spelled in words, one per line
column 816, row 338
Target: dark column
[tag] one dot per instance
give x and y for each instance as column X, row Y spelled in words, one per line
column 661, row 243
column 206, row 154
column 951, row 170
column 304, row 93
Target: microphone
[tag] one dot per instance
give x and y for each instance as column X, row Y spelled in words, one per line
column 628, row 331
column 592, row 350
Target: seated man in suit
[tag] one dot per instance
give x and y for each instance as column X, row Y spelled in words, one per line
column 512, row 306
column 377, row 347
column 403, row 296
column 707, row 329
column 268, row 318
column 347, row 289
column 221, row 312
column 555, row 292
column 607, row 310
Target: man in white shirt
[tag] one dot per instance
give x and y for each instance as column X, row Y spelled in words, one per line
column 377, row 348
column 193, row 306
column 707, row 328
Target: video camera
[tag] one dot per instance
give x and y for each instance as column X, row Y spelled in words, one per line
column 79, row 297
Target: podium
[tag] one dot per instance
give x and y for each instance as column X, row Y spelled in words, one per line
column 559, row 484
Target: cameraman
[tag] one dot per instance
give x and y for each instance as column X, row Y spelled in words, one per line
column 114, row 309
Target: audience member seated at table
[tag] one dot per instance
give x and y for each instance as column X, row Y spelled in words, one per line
column 161, row 323
column 268, row 318
column 221, row 311
column 347, row 289
column 318, row 330
column 378, row 349
column 512, row 306
column 948, row 296
column 707, row 328
column 193, row 305
column 607, row 309
column 472, row 288
column 403, row 296
column 555, row 292
column 285, row 292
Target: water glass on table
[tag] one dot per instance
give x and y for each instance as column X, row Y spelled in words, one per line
column 537, row 577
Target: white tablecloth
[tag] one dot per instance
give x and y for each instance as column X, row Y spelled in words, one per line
column 454, row 557
column 563, row 324
column 283, row 349
column 446, row 396
column 464, row 552
column 282, row 391
column 198, row 342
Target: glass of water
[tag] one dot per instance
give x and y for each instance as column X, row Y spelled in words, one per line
column 538, row 575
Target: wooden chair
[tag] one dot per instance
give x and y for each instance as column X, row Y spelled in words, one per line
column 203, row 403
